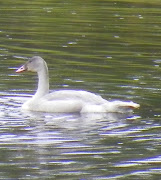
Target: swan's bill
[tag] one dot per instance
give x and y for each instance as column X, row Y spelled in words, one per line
column 21, row 69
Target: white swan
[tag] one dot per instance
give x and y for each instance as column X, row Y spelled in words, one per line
column 67, row 100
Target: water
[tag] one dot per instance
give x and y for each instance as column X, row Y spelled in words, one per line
column 111, row 48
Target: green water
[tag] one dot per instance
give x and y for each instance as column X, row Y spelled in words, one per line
column 111, row 48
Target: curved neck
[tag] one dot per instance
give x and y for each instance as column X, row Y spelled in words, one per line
column 43, row 82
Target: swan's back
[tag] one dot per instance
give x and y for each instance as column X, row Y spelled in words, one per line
column 79, row 95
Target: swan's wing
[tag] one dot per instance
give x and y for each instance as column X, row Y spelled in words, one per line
column 84, row 101
column 75, row 95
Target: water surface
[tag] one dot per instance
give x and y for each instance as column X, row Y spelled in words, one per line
column 111, row 48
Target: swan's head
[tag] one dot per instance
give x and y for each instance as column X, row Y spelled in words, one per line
column 35, row 64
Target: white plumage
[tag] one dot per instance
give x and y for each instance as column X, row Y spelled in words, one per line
column 67, row 100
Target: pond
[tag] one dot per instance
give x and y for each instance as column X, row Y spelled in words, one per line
column 111, row 48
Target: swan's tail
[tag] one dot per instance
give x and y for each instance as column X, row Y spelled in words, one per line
column 110, row 107
column 120, row 106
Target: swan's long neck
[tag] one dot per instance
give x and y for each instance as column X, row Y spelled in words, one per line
column 43, row 82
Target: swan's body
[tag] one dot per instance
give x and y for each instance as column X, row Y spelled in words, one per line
column 66, row 100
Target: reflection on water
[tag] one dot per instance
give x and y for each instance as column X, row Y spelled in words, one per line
column 74, row 146
column 110, row 48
